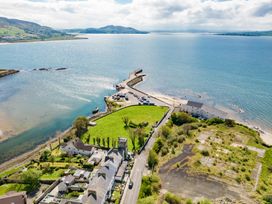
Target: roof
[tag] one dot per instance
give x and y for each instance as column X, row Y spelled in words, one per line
column 194, row 104
column 14, row 198
column 103, row 180
column 80, row 145
column 121, row 170
column 68, row 179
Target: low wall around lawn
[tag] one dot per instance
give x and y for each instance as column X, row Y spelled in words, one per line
column 48, row 190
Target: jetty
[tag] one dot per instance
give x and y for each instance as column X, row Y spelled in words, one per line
column 6, row 72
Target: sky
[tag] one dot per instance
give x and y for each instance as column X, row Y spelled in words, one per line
column 179, row 15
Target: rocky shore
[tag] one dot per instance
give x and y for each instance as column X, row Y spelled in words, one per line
column 6, row 72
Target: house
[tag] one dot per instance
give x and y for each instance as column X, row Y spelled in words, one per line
column 14, row 198
column 96, row 157
column 101, row 185
column 68, row 180
column 201, row 110
column 121, row 172
column 77, row 147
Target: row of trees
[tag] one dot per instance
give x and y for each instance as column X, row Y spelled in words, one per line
column 103, row 142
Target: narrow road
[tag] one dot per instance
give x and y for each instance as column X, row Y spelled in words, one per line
column 130, row 196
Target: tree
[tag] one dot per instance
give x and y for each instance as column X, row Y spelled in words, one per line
column 126, row 121
column 103, row 142
column 165, row 131
column 45, row 156
column 108, row 142
column 98, row 140
column 180, row 118
column 31, row 178
column 141, row 140
column 230, row 123
column 140, row 134
column 158, row 145
column 152, row 159
column 132, row 137
column 81, row 125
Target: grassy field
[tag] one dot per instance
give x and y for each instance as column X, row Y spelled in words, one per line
column 113, row 126
column 12, row 187
column 12, row 31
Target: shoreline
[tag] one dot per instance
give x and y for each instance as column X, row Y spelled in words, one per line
column 265, row 135
column 39, row 40
column 171, row 100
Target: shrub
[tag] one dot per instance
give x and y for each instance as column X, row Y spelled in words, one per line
column 181, row 118
column 158, row 145
column 152, row 159
column 172, row 198
column 214, row 121
column 229, row 122
column 205, row 153
column 165, row 131
column 164, row 151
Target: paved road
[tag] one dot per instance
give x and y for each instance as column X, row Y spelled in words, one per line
column 130, row 196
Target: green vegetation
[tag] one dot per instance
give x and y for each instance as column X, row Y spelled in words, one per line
column 113, row 126
column 150, row 186
column 12, row 31
column 220, row 148
column 12, row 187
column 80, row 125
column 265, row 183
column 152, row 159
column 31, row 178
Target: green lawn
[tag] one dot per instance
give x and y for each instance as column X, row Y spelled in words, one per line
column 12, row 187
column 10, row 171
column 53, row 176
column 112, row 125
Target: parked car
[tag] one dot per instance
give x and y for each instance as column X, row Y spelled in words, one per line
column 130, row 185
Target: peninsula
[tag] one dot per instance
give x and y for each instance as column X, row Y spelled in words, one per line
column 248, row 33
column 110, row 29
column 14, row 30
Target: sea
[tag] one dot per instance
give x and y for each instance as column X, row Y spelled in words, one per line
column 229, row 72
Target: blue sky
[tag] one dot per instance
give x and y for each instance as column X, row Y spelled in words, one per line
column 144, row 14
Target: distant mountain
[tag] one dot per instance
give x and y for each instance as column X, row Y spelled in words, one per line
column 249, row 33
column 17, row 30
column 110, row 29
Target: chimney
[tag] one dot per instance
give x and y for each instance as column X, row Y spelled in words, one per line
column 92, row 193
column 109, row 158
column 102, row 174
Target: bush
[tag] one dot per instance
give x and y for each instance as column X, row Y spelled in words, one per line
column 230, row 123
column 181, row 118
column 150, row 185
column 152, row 159
column 214, row 121
column 205, row 153
column 164, row 151
column 88, row 166
column 172, row 198
column 268, row 198
column 165, row 131
column 158, row 145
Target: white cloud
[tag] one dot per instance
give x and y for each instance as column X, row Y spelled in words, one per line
column 144, row 14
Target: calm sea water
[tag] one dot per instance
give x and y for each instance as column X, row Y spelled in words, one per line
column 234, row 72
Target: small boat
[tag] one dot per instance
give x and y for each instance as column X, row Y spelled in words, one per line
column 95, row 110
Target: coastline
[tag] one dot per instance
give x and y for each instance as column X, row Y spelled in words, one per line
column 173, row 101
column 39, row 40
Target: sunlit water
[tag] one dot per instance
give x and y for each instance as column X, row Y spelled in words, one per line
column 234, row 72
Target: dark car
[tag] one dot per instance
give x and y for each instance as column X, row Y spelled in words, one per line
column 130, row 185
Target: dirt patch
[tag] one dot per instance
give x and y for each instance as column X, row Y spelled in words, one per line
column 178, row 181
